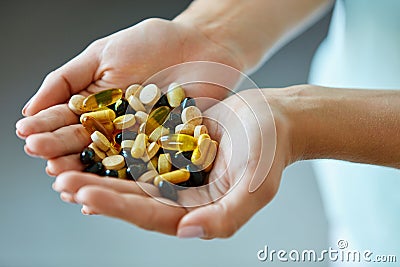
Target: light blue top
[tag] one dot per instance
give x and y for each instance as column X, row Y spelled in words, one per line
column 362, row 50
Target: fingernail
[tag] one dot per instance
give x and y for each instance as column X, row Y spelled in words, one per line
column 190, row 232
column 26, row 107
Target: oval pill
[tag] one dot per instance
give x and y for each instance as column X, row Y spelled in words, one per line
column 156, row 118
column 102, row 99
column 180, row 142
column 75, row 104
column 150, row 94
column 115, row 162
column 100, row 141
column 175, row 95
column 124, row 122
column 164, row 163
column 139, row 146
column 175, row 177
column 185, row 128
column 104, row 115
column 199, row 130
column 141, row 117
column 135, row 104
column 148, row 176
column 99, row 154
column 157, row 133
column 91, row 125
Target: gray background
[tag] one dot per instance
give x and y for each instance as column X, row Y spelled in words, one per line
column 38, row 229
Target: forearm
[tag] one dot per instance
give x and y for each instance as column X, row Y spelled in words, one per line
column 354, row 125
column 252, row 29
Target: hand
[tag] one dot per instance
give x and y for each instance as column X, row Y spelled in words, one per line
column 247, row 146
column 130, row 56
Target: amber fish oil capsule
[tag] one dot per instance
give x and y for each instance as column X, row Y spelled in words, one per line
column 180, row 142
column 102, row 99
column 104, row 116
column 91, row 125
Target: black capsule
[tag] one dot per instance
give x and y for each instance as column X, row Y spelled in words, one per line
column 129, row 135
column 187, row 102
column 163, row 101
column 87, row 156
column 167, row 190
column 197, row 176
column 120, row 107
column 96, row 168
column 179, row 160
column 184, row 185
column 111, row 173
column 118, row 138
column 136, row 170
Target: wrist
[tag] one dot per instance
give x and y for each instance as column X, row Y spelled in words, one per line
column 224, row 25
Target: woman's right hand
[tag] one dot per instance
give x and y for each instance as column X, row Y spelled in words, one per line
column 126, row 57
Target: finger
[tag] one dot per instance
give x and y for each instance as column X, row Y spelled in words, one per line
column 64, row 141
column 46, row 120
column 72, row 181
column 59, row 85
column 224, row 217
column 67, row 197
column 144, row 212
column 61, row 164
column 87, row 211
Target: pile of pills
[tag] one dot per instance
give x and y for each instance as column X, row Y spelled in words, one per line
column 146, row 136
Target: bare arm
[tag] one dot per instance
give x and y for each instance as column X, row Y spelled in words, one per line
column 347, row 124
column 253, row 30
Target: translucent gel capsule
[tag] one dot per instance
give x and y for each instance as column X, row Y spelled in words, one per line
column 102, row 99
column 156, row 118
column 180, row 142
column 91, row 125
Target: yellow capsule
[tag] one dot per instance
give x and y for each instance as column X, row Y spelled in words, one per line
column 156, row 118
column 175, row 177
column 104, row 115
column 180, row 142
column 139, row 146
column 91, row 125
column 102, row 99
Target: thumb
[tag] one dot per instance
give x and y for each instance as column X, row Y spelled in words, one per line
column 220, row 219
column 60, row 84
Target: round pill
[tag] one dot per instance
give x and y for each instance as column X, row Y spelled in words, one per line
column 133, row 89
column 87, row 156
column 192, row 115
column 150, row 94
column 100, row 141
column 167, row 190
column 124, row 122
column 148, row 176
column 111, row 173
column 114, row 162
column 75, row 104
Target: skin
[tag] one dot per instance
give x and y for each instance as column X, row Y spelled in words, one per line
column 239, row 35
